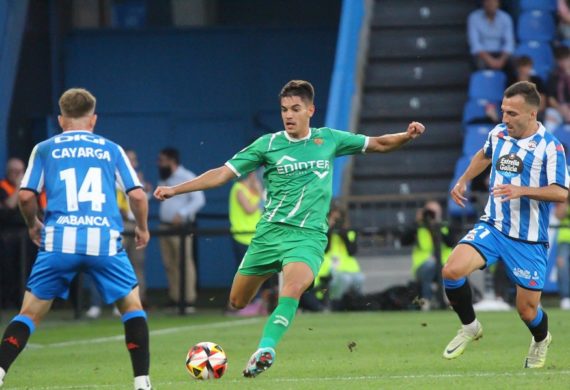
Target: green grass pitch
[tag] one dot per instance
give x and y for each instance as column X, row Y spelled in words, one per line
column 393, row 350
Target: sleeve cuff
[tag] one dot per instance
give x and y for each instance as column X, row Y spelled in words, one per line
column 366, row 141
column 234, row 170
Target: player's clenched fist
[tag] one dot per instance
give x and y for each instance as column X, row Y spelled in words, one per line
column 415, row 129
column 163, row 193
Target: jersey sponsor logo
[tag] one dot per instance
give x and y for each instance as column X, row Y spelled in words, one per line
column 83, row 220
column 289, row 166
column 521, row 273
column 81, row 152
column 79, row 137
column 509, row 165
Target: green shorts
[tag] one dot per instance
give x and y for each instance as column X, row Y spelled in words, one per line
column 275, row 245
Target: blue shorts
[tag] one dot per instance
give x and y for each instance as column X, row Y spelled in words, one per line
column 53, row 272
column 525, row 262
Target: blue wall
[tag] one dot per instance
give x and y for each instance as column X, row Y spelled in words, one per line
column 208, row 92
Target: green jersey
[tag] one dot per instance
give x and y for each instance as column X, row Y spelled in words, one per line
column 298, row 173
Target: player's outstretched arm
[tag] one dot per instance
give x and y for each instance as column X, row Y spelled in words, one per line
column 210, row 179
column 28, row 203
column 478, row 164
column 550, row 193
column 139, row 206
column 388, row 142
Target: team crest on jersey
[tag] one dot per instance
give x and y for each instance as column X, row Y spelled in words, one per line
column 318, row 141
column 531, row 145
column 509, row 165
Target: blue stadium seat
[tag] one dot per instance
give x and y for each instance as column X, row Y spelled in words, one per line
column 544, row 5
column 453, row 209
column 487, row 84
column 475, row 137
column 536, row 25
column 541, row 54
column 475, row 109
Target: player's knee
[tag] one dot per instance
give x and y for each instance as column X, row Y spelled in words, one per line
column 237, row 302
column 527, row 312
column 450, row 272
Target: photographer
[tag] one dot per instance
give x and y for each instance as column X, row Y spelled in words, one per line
column 340, row 269
column 428, row 218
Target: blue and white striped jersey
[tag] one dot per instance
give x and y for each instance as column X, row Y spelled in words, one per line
column 536, row 161
column 80, row 171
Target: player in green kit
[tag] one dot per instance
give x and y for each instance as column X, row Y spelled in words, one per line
column 291, row 236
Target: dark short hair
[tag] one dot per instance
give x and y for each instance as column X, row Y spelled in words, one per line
column 561, row 53
column 77, row 103
column 300, row 88
column 172, row 154
column 523, row 61
column 525, row 89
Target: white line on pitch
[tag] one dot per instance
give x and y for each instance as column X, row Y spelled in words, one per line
column 529, row 374
column 158, row 332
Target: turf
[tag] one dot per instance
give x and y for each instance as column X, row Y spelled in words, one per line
column 380, row 350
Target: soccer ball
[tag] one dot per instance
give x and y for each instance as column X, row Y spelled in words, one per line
column 206, row 360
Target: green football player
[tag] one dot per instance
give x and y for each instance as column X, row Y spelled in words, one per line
column 291, row 236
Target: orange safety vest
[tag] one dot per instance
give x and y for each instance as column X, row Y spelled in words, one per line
column 10, row 189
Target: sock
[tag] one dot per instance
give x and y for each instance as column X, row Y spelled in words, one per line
column 278, row 322
column 2, row 375
column 14, row 340
column 472, row 327
column 142, row 383
column 539, row 326
column 136, row 338
column 459, row 294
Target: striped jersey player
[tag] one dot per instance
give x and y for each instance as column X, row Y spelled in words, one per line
column 81, row 228
column 528, row 173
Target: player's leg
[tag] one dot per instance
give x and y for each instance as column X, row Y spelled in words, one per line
column 244, row 288
column 136, row 337
column 19, row 330
column 297, row 278
column 117, row 283
column 535, row 318
column 465, row 258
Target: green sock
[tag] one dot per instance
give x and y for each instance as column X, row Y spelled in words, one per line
column 278, row 322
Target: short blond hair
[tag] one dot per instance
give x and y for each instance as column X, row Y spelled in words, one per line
column 77, row 103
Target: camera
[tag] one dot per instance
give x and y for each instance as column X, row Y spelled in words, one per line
column 428, row 216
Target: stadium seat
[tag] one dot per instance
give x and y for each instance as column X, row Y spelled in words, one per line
column 536, row 25
column 453, row 209
column 487, row 84
column 475, row 137
column 474, row 110
column 544, row 5
column 541, row 54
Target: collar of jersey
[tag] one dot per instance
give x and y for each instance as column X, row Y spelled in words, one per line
column 77, row 131
column 308, row 136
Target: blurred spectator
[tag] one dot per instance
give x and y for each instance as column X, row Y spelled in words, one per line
column 491, row 37
column 558, row 111
column 424, row 267
column 340, row 271
column 137, row 257
column 564, row 19
column 524, row 72
column 245, row 211
column 12, row 225
column 563, row 255
column 178, row 212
